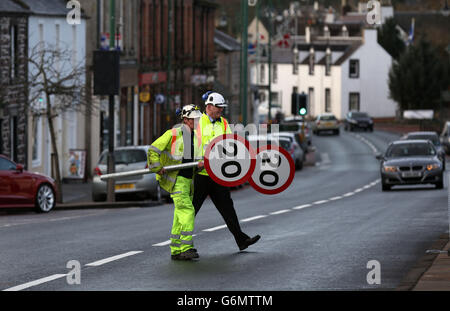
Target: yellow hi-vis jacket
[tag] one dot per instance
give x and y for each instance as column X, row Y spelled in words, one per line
column 168, row 150
column 208, row 131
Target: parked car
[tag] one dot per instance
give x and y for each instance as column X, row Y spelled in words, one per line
column 301, row 128
column 128, row 158
column 410, row 162
column 293, row 137
column 358, row 120
column 20, row 188
column 286, row 143
column 445, row 137
column 434, row 138
column 326, row 122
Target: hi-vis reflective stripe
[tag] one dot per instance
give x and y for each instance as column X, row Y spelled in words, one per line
column 176, row 192
column 168, row 178
column 225, row 124
column 155, row 149
column 174, row 139
column 198, row 132
column 173, row 157
column 187, row 232
column 187, row 242
column 175, row 237
column 156, row 164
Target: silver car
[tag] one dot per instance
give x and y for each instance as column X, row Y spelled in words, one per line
column 128, row 158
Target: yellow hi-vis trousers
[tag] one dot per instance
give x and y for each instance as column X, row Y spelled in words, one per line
column 183, row 216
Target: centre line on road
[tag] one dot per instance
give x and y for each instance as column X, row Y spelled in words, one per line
column 34, row 283
column 349, row 194
column 302, row 206
column 320, row 202
column 336, row 198
column 215, row 228
column 280, row 212
column 253, row 218
column 109, row 259
column 162, row 243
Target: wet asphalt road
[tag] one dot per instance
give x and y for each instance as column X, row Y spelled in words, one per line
column 319, row 234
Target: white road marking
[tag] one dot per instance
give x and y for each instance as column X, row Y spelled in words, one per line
column 36, row 282
column 349, row 194
column 302, row 206
column 358, row 190
column 280, row 212
column 215, row 228
column 162, row 243
column 253, row 218
column 320, row 202
column 113, row 258
column 335, row 198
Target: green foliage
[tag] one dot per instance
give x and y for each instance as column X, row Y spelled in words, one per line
column 419, row 76
column 389, row 39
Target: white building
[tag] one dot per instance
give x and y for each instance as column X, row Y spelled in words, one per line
column 339, row 73
column 48, row 26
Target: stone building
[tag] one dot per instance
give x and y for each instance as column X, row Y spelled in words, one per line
column 13, row 76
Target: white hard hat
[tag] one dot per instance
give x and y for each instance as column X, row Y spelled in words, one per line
column 216, row 99
column 190, row 112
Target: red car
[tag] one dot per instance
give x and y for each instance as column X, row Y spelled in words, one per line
column 19, row 188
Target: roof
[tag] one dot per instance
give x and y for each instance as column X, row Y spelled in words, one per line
column 411, row 141
column 226, row 42
column 13, row 6
column 422, row 133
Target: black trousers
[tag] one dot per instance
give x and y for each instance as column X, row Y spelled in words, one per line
column 220, row 195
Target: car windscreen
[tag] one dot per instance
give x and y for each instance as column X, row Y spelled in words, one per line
column 327, row 118
column 359, row 115
column 433, row 138
column 285, row 144
column 410, row 150
column 128, row 156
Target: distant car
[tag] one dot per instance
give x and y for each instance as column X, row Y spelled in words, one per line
column 434, row 138
column 286, row 143
column 445, row 137
column 409, row 162
column 301, row 128
column 358, row 120
column 20, row 188
column 128, row 158
column 326, row 122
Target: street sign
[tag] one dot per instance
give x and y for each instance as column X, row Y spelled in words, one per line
column 144, row 96
column 274, row 170
column 230, row 160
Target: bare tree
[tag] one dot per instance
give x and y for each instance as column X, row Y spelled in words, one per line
column 56, row 84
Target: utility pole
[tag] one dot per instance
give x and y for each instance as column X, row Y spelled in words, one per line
column 110, row 196
column 169, row 60
column 244, row 59
column 270, row 61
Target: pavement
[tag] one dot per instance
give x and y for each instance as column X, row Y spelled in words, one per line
column 431, row 272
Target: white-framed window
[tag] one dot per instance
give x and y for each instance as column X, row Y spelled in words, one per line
column 262, row 73
column 37, row 141
column 354, row 68
column 353, row 101
column 275, row 73
column 327, row 100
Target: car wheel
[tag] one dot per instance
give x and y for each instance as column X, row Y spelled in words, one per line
column 385, row 187
column 299, row 165
column 157, row 195
column 440, row 184
column 45, row 199
column 98, row 197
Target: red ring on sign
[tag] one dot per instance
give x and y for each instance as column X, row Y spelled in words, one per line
column 291, row 171
column 252, row 160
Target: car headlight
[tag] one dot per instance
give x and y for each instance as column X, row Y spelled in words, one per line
column 390, row 169
column 431, row 167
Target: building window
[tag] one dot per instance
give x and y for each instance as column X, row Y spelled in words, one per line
column 295, row 90
column 275, row 74
column 295, row 68
column 328, row 64
column 353, row 102
column 13, row 52
column 327, row 100
column 37, row 140
column 354, row 68
column 311, row 100
column 276, row 102
column 262, row 73
column 311, row 63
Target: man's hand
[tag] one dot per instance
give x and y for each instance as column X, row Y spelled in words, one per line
column 201, row 165
column 161, row 172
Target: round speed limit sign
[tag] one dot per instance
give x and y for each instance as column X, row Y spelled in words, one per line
column 230, row 160
column 274, row 170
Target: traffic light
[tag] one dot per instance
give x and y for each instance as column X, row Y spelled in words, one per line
column 303, row 104
column 299, row 104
